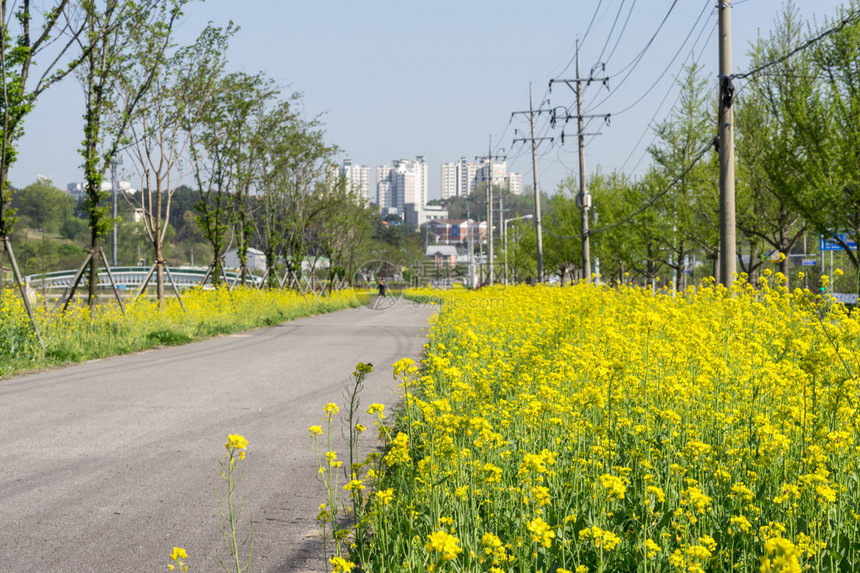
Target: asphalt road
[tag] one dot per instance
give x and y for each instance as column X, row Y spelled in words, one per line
column 106, row 466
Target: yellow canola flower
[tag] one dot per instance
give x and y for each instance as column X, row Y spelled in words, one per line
column 781, row 556
column 178, row 553
column 541, row 531
column 601, row 538
column 651, row 548
column 697, row 415
column 341, row 565
column 376, row 410
column 614, row 486
column 178, row 557
column 398, row 452
column 385, row 496
column 331, row 409
column 354, row 485
column 235, row 441
column 443, row 543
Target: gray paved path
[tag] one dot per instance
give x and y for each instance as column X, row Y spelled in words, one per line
column 107, row 465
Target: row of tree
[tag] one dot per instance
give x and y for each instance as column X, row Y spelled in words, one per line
column 259, row 168
column 797, row 120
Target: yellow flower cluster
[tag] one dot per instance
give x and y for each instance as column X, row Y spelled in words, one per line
column 617, row 430
column 77, row 335
column 178, row 557
column 443, row 543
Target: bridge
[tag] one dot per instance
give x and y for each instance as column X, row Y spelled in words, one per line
column 129, row 278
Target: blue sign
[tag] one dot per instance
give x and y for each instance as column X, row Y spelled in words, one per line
column 808, row 262
column 831, row 245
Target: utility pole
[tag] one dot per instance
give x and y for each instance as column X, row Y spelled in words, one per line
column 728, row 236
column 489, row 159
column 584, row 199
column 535, row 141
column 471, row 246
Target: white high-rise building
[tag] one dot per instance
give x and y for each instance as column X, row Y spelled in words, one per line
column 357, row 179
column 515, row 183
column 449, row 183
column 460, row 179
column 467, row 177
column 500, row 172
column 422, row 180
column 405, row 182
column 383, row 187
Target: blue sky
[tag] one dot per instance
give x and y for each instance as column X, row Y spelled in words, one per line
column 395, row 80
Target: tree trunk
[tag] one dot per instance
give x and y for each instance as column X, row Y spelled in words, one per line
column 94, row 273
column 159, row 274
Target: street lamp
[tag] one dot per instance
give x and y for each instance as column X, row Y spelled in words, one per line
column 506, row 240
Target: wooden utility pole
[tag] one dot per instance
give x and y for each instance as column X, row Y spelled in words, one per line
column 489, row 158
column 728, row 234
column 535, row 141
column 584, row 199
column 492, row 275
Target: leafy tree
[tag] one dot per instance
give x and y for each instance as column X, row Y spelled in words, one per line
column 689, row 204
column 248, row 124
column 292, row 186
column 121, row 35
column 45, row 207
column 343, row 229
column 825, row 124
column 614, row 231
column 164, row 119
column 766, row 144
column 22, row 43
column 562, row 227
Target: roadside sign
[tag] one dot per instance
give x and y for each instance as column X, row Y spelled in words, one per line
column 829, row 244
column 808, row 262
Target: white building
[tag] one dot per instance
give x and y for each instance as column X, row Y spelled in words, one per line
column 515, row 183
column 449, row 181
column 500, row 172
column 256, row 259
column 417, row 217
column 404, row 183
column 357, row 179
column 384, row 198
column 467, row 174
column 460, row 179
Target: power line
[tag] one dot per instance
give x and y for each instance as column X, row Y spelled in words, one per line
column 611, row 30
column 654, row 199
column 666, row 69
column 851, row 18
column 659, row 107
column 621, row 33
column 635, row 61
column 647, row 205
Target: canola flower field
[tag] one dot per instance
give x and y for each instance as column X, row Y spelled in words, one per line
column 589, row 429
column 75, row 336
